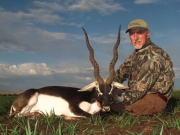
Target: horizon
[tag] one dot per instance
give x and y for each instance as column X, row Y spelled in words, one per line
column 42, row 43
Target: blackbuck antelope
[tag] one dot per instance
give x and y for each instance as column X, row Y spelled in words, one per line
column 104, row 87
column 58, row 100
column 69, row 101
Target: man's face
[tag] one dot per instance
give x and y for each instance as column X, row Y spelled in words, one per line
column 138, row 37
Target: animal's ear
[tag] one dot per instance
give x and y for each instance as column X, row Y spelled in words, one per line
column 119, row 85
column 89, row 87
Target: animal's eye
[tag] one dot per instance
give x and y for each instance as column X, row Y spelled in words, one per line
column 93, row 100
column 100, row 97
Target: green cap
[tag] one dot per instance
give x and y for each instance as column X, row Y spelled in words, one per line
column 137, row 24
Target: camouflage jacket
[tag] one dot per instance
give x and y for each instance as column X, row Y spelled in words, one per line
column 148, row 70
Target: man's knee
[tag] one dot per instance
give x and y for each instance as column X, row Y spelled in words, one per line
column 150, row 104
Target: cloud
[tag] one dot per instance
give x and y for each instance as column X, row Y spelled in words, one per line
column 84, row 78
column 108, row 38
column 34, row 15
column 101, row 6
column 24, row 38
column 25, row 69
column 177, row 71
column 40, row 69
column 30, row 39
column 41, row 15
column 145, row 1
column 53, row 35
column 53, row 6
column 74, row 70
column 27, row 36
column 35, row 75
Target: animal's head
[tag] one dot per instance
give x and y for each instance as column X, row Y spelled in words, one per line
column 104, row 87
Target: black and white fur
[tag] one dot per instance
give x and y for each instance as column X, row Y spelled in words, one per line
column 62, row 101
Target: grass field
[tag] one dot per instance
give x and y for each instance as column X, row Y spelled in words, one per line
column 106, row 124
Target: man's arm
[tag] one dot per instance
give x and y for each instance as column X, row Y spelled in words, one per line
column 144, row 81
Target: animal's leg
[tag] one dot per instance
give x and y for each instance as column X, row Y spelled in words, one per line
column 79, row 112
column 32, row 101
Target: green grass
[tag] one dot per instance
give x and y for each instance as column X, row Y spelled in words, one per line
column 122, row 122
column 5, row 103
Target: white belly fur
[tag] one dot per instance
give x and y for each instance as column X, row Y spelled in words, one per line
column 49, row 104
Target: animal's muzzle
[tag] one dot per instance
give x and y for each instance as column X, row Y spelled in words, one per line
column 105, row 108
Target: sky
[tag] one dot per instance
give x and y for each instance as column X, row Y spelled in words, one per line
column 42, row 42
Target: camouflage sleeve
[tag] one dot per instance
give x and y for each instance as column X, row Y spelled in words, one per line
column 129, row 97
column 123, row 73
column 144, row 80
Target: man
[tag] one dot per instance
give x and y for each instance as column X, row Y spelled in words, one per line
column 149, row 71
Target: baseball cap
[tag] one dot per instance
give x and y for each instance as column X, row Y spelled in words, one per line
column 137, row 24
